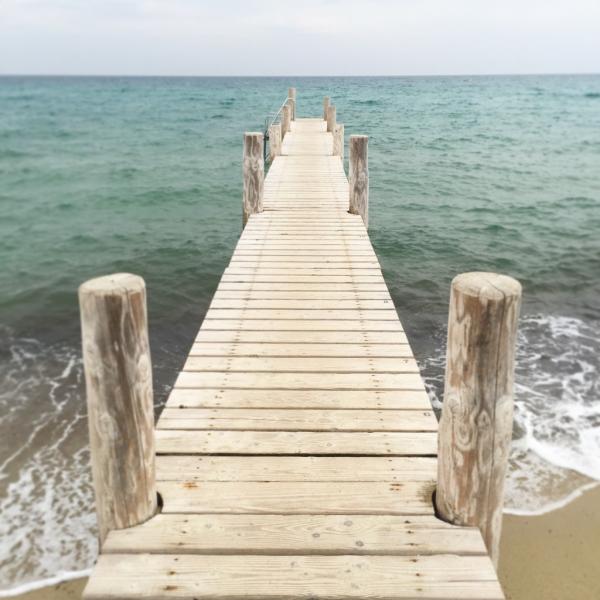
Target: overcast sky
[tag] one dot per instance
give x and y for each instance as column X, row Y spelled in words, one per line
column 300, row 37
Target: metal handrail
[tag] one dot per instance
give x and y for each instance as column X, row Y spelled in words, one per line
column 269, row 120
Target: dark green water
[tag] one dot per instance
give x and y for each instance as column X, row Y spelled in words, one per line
column 144, row 175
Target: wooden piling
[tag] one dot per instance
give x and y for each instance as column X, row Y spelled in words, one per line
column 292, row 97
column 274, row 140
column 253, row 174
column 118, row 376
column 476, row 425
column 286, row 117
column 331, row 118
column 338, row 140
column 326, row 103
column 359, row 177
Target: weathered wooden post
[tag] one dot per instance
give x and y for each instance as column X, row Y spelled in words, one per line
column 118, row 377
column 325, row 107
column 253, row 175
column 359, row 177
column 286, row 117
column 331, row 118
column 476, row 424
column 338, row 140
column 274, row 140
column 292, row 97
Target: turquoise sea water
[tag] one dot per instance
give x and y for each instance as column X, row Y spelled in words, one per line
column 144, row 175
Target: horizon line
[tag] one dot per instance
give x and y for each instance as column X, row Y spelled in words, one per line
column 132, row 75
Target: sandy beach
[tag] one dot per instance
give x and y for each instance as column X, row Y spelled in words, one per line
column 553, row 556
column 548, row 557
column 68, row 590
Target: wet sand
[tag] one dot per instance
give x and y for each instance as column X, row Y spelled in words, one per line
column 553, row 556
column 68, row 590
column 550, row 557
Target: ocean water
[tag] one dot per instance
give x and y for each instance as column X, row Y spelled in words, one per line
column 144, row 175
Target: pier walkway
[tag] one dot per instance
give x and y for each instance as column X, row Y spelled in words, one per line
column 296, row 455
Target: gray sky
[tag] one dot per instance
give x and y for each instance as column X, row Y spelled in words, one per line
column 300, row 37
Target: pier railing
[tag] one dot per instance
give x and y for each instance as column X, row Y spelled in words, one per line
column 277, row 125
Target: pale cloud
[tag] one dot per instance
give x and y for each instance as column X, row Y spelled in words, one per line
column 304, row 37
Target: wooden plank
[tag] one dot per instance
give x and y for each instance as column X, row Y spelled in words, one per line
column 249, row 243
column 281, row 220
column 296, row 443
column 296, row 534
column 251, row 302
column 255, row 304
column 306, row 266
column 293, row 200
column 186, row 576
column 306, row 241
column 260, row 398
column 301, row 296
column 318, row 287
column 340, row 226
column 307, row 256
column 295, row 468
column 268, row 419
column 336, row 244
column 297, row 350
column 284, row 233
column 274, row 231
column 304, row 364
column 275, row 218
column 349, row 314
column 302, row 336
column 320, row 278
column 302, row 325
column 297, row 203
column 293, row 257
column 300, row 380
column 347, row 270
column 335, row 218
column 327, row 196
column 298, row 497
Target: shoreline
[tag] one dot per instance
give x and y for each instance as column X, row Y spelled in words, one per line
column 554, row 506
column 536, row 551
column 22, row 591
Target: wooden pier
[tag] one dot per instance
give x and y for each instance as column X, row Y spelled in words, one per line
column 296, row 455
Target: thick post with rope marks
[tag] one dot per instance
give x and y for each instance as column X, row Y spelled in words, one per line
column 286, row 118
column 359, row 177
column 476, row 425
column 326, row 102
column 118, row 376
column 338, row 140
column 253, row 175
column 274, row 140
column 331, row 118
column 292, row 98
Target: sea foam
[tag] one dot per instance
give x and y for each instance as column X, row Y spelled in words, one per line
column 47, row 524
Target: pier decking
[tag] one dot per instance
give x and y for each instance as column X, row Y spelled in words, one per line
column 296, row 455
